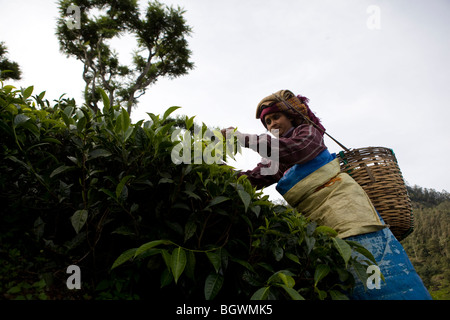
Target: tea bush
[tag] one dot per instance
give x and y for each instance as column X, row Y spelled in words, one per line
column 100, row 192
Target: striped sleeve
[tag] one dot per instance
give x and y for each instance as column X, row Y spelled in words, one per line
column 303, row 145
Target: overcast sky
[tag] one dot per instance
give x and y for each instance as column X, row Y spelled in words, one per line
column 376, row 72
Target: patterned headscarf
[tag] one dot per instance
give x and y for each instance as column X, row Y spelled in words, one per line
column 285, row 101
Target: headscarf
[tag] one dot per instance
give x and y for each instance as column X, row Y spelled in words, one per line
column 285, row 101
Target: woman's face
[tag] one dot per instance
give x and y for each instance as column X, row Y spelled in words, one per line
column 278, row 120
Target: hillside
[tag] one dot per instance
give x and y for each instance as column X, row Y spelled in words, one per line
column 429, row 245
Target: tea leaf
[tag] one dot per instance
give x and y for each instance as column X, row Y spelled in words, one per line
column 321, row 272
column 217, row 200
column 344, row 249
column 105, row 98
column 27, row 92
column 99, row 153
column 78, row 219
column 178, row 262
column 245, row 197
column 215, row 258
column 61, row 169
column 292, row 293
column 121, row 185
column 168, row 112
column 124, row 257
column 261, row 294
column 213, row 284
column 149, row 245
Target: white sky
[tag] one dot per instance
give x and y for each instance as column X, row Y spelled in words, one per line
column 371, row 87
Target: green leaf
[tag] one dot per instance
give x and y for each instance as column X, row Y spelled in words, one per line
column 128, row 133
column 261, row 294
column 30, row 126
column 8, row 88
column 122, row 122
column 168, row 112
column 78, row 219
column 178, row 262
column 361, row 272
column 99, row 153
column 52, row 140
column 256, row 210
column 121, row 185
column 68, row 111
column 189, row 229
column 27, row 92
column 108, row 192
column 337, row 295
column 321, row 293
column 105, row 98
column 344, row 249
column 243, row 263
column 285, row 276
column 362, row 250
column 245, row 197
column 162, row 131
column 278, row 253
column 217, row 200
column 292, row 293
column 124, row 257
column 193, row 195
column 215, row 259
column 81, row 124
column 292, row 257
column 189, row 122
column 213, row 284
column 166, row 278
column 61, row 169
column 321, row 272
column 67, row 116
column 15, row 289
column 327, row 230
column 149, row 245
column 165, row 180
column 41, row 95
column 189, row 270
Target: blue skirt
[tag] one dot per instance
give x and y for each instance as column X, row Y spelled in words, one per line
column 401, row 279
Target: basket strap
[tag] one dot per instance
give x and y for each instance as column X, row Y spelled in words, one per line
column 288, row 105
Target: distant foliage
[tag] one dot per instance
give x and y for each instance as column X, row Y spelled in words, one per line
column 428, row 197
column 95, row 190
column 8, row 69
column 429, row 245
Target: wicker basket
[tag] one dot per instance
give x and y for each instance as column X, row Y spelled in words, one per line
column 376, row 170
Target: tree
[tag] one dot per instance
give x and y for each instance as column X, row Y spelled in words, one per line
column 162, row 48
column 8, row 69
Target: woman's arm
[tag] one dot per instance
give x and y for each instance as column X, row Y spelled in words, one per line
column 303, row 145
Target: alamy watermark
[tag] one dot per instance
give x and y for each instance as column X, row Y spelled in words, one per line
column 374, row 19
column 74, row 21
column 73, row 281
column 374, row 280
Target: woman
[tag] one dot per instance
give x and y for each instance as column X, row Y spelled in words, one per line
column 310, row 180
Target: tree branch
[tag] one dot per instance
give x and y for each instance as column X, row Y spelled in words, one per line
column 139, row 81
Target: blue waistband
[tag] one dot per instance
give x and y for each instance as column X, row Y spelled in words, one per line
column 299, row 171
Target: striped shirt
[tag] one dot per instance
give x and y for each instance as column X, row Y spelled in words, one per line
column 298, row 146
